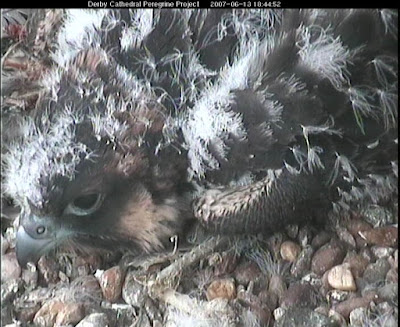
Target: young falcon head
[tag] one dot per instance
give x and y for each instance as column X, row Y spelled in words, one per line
column 277, row 114
column 84, row 167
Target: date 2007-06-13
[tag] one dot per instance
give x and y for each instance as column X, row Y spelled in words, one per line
column 245, row 4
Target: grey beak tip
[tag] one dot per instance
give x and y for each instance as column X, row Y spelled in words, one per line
column 29, row 249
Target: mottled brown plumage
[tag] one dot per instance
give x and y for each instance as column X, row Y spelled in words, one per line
column 245, row 120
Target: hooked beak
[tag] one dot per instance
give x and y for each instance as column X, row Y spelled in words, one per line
column 29, row 248
column 35, row 236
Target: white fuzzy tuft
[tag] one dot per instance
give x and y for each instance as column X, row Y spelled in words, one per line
column 291, row 169
column 294, row 84
column 51, row 81
column 326, row 129
column 361, row 100
column 299, row 156
column 324, row 54
column 47, row 152
column 389, row 17
column 313, row 159
column 316, row 15
column 266, row 262
column 211, row 121
column 313, row 152
column 80, row 31
column 385, row 66
column 180, row 319
column 143, row 22
column 342, row 163
column 195, row 74
column 215, row 313
column 372, row 188
column 388, row 100
column 253, row 22
column 395, row 168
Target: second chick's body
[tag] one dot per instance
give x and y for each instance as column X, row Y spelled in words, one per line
column 245, row 120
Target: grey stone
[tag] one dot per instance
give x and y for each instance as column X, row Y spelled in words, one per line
column 304, row 317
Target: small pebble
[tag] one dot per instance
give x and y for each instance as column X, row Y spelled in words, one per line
column 94, row 320
column 389, row 292
column 346, row 237
column 10, row 268
column 83, row 265
column 87, row 289
column 392, row 276
column 27, row 313
column 277, row 286
column 278, row 313
column 341, row 278
column 312, row 279
column 125, row 315
column 394, row 260
column 335, row 296
column 361, row 243
column 48, row 269
column 299, row 295
column 356, row 262
column 376, row 272
column 268, row 298
column 323, row 310
column 355, row 226
column 30, row 276
column 382, row 236
column 302, row 264
column 382, row 251
column 246, row 272
column 321, row 239
column 4, row 245
column 358, row 317
column 10, row 235
column 344, row 308
column 292, row 230
column 221, row 288
column 305, row 235
column 111, row 283
column 367, row 254
column 290, row 251
column 70, row 314
column 47, row 314
column 326, row 287
column 337, row 318
column 377, row 215
column 326, row 257
column 295, row 317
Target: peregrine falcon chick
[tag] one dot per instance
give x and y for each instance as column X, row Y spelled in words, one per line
column 246, row 120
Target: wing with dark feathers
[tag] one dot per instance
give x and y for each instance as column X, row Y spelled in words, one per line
column 254, row 116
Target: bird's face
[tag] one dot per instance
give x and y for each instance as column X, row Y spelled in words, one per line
column 84, row 167
column 96, row 211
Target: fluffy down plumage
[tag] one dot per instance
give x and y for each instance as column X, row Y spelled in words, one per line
column 243, row 119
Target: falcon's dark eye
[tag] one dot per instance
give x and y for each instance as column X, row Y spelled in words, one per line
column 85, row 205
column 86, row 202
